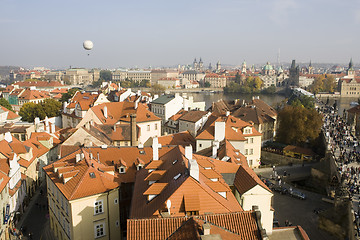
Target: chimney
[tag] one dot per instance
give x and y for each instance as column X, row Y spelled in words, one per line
column 52, row 128
column 215, row 148
column 119, row 86
column 8, row 137
column 219, row 131
column 46, row 121
column 206, row 229
column 136, row 104
column 37, row 120
column 64, row 107
column 194, row 169
column 78, row 157
column 188, row 152
column 155, row 147
column 105, row 112
column 185, row 104
column 133, row 130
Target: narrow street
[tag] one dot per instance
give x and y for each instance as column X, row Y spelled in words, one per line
column 36, row 217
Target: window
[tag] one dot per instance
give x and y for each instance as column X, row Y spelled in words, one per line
column 251, row 151
column 122, row 169
column 246, row 151
column 156, row 126
column 116, row 201
column 98, row 207
column 251, row 140
column 99, row 230
column 148, row 127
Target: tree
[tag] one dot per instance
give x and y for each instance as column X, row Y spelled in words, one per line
column 323, row 83
column 302, row 101
column 157, row 89
column 66, row 96
column 106, row 75
column 5, row 104
column 125, row 84
column 298, row 125
column 51, row 107
column 97, row 83
column 269, row 90
column 329, row 84
column 145, row 83
column 207, row 84
column 29, row 111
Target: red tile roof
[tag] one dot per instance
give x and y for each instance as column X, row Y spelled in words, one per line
column 246, row 179
column 233, row 129
column 237, row 225
column 121, row 111
column 179, row 184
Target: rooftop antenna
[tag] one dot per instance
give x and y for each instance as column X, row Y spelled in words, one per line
column 278, row 57
column 168, row 205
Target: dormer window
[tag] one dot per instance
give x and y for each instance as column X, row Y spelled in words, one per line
column 139, row 166
column 247, row 130
column 122, row 169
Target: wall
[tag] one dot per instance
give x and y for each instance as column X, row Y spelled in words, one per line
column 262, row 198
column 145, row 134
column 83, row 218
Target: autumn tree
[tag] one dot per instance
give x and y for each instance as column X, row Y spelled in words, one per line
column 157, row 89
column 323, row 83
column 298, row 125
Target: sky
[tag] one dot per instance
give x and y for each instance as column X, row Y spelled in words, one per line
column 143, row 33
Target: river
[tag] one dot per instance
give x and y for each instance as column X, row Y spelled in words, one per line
column 209, row 98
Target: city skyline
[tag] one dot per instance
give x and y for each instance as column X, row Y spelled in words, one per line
column 167, row 33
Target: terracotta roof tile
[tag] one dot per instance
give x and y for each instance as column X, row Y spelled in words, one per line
column 246, row 179
column 155, row 188
column 237, row 225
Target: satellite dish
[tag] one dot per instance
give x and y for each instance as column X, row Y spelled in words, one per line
column 88, row 45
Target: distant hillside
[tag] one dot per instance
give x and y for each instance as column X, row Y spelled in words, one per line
column 5, row 70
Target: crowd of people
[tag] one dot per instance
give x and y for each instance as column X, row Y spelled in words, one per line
column 343, row 145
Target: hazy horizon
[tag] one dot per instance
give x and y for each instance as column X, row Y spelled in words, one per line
column 167, row 33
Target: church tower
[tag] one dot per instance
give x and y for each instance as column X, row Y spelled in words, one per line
column 218, row 66
column 195, row 64
column 243, row 67
column 310, row 68
column 201, row 65
column 351, row 71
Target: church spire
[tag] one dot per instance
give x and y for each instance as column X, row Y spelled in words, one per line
column 351, row 66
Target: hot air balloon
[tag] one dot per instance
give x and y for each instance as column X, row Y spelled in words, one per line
column 88, row 45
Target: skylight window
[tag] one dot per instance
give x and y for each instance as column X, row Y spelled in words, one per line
column 177, row 176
